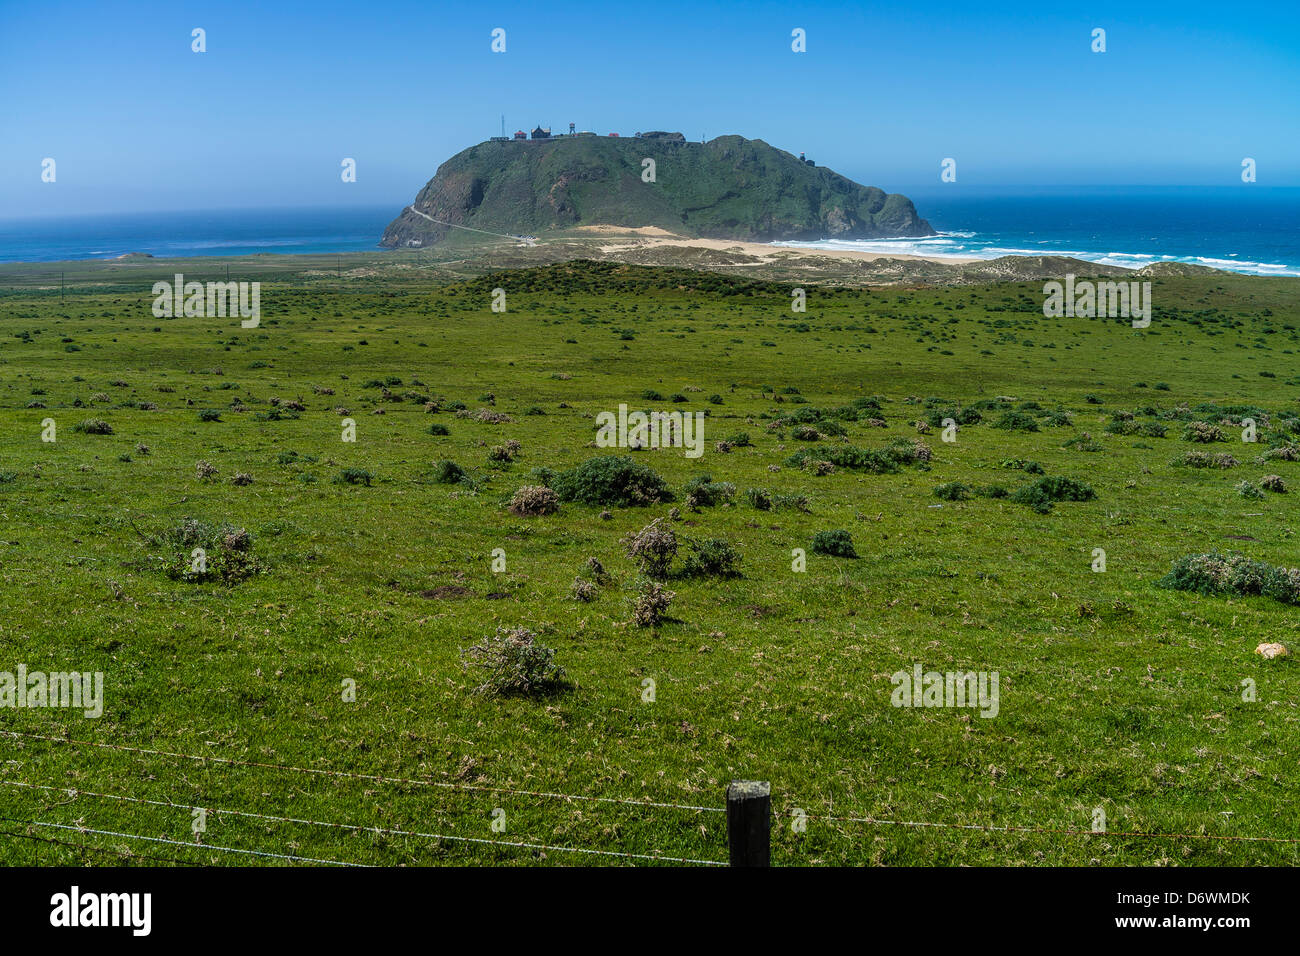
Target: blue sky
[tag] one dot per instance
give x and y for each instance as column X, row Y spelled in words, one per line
column 285, row 91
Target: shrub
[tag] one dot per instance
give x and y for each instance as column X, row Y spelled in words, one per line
column 597, row 571
column 1216, row 573
column 759, row 498
column 650, row 604
column 514, row 662
column 1043, row 493
column 1084, row 442
column 438, row 429
column 713, row 556
column 790, row 502
column 534, row 500
column 837, row 543
column 1273, row 483
column 354, row 476
column 447, row 472
column 953, row 491
column 582, row 590
column 196, row 551
column 504, row 453
column 653, row 548
column 1024, row 464
column 484, row 415
column 703, row 492
column 210, row 415
column 205, row 470
column 1249, row 489
column 909, row 451
column 1203, row 432
column 241, row 478
column 93, row 426
column 1204, row 459
column 1017, row 421
column 290, row 457
column 963, row 416
column 846, row 456
column 612, row 480
column 1286, row 452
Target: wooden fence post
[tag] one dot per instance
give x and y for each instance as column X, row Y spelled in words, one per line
column 749, row 822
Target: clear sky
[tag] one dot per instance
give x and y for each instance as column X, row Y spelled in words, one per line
column 1013, row 92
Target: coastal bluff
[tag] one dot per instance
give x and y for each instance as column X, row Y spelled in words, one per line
column 726, row 188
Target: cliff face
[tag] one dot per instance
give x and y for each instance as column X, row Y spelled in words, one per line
column 727, row 188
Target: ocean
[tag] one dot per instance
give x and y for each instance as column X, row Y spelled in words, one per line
column 1249, row 228
column 213, row 233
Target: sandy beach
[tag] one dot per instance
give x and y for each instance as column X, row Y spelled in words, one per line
column 650, row 237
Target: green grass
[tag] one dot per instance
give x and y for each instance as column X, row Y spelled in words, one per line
column 1114, row 692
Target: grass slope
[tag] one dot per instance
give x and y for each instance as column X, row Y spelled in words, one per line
column 1115, row 693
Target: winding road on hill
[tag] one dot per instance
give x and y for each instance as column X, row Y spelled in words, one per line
column 525, row 240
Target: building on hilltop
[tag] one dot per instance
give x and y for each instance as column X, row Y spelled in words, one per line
column 520, row 134
column 542, row 132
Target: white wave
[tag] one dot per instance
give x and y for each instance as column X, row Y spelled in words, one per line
column 956, row 245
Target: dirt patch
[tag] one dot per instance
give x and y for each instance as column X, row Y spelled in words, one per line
column 446, row 592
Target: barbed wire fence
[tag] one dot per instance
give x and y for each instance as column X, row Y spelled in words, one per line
column 748, row 814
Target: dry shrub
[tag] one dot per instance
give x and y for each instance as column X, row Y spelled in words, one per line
column 532, row 500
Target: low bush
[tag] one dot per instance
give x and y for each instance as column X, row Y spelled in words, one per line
column 612, row 480
column 1205, row 459
column 93, row 426
column 514, row 663
column 197, row 551
column 837, row 543
column 354, row 476
column 447, row 472
column 1203, row 432
column 712, row 557
column 1216, row 573
column 1045, row 492
column 651, row 604
column 703, row 492
column 953, row 491
column 1017, row 421
column 653, row 548
column 533, row 500
column 1248, row 489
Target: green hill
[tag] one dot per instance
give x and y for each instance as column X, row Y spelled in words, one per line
column 727, row 188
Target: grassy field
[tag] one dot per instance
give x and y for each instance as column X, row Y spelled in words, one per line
column 1115, row 693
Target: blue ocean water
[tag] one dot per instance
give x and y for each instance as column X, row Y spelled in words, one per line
column 1248, row 228
column 214, row 233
